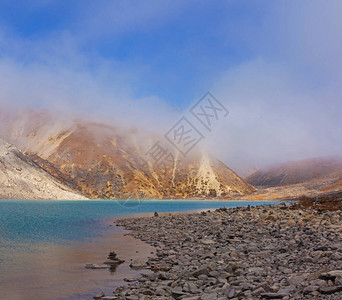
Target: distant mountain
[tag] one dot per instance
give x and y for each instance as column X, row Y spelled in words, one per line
column 108, row 162
column 21, row 178
column 328, row 171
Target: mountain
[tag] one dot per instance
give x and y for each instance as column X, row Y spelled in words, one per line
column 21, row 178
column 105, row 161
column 326, row 172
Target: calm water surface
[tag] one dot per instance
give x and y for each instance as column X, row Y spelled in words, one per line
column 44, row 245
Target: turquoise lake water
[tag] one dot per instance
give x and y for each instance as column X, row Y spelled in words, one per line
column 43, row 237
column 65, row 221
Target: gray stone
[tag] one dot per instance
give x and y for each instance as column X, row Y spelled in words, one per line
column 319, row 282
column 95, row 266
column 99, row 295
column 255, row 270
column 147, row 292
column 230, row 292
column 190, row 287
column 258, row 291
column 132, row 297
column 208, row 242
column 214, row 274
column 309, row 289
column 178, row 291
column 330, row 289
column 211, row 296
column 202, row 271
column 264, row 285
column 137, row 264
column 297, row 280
column 273, row 295
column 287, row 289
column 161, row 292
column 202, row 277
column 331, row 275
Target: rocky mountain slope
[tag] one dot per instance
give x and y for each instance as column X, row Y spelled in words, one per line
column 320, row 177
column 21, row 178
column 297, row 172
column 107, row 162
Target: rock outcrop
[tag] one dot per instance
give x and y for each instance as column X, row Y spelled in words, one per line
column 21, row 178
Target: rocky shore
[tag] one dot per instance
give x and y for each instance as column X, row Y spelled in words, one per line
column 265, row 252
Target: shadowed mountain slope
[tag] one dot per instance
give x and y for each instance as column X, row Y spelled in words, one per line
column 326, row 171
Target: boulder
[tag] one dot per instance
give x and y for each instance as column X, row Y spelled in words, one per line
column 137, row 264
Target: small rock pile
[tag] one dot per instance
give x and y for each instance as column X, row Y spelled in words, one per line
column 112, row 262
column 264, row 252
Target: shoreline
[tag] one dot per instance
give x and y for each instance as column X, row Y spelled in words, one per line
column 57, row 256
column 58, row 270
column 201, row 256
column 164, row 214
column 152, row 200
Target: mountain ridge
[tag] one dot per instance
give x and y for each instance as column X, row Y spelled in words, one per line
column 104, row 161
column 323, row 174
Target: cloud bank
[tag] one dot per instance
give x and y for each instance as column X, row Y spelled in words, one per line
column 278, row 70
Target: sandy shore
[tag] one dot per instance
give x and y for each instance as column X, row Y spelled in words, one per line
column 239, row 253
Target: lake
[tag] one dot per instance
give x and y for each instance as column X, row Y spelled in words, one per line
column 44, row 245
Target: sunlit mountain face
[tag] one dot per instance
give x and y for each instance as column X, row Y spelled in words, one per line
column 104, row 161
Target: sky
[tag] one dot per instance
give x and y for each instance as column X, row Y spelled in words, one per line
column 275, row 65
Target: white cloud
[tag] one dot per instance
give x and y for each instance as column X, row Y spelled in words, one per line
column 53, row 74
column 284, row 103
column 287, row 104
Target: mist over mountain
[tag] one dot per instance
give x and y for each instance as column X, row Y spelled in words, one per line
column 105, row 161
column 276, row 69
column 323, row 172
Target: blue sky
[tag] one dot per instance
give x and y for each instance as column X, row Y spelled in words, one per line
column 276, row 65
column 177, row 50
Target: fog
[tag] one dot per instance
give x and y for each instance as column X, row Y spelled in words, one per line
column 284, row 101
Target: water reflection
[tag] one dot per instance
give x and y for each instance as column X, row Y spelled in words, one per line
column 51, row 271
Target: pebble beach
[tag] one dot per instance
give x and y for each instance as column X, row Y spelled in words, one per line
column 262, row 252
